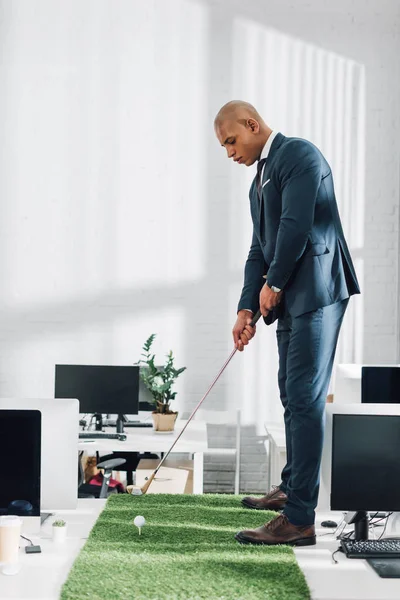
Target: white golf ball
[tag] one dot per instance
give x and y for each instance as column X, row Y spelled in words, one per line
column 139, row 521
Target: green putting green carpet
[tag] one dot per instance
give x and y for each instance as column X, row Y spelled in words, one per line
column 186, row 551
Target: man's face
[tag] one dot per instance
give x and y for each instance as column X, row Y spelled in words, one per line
column 240, row 140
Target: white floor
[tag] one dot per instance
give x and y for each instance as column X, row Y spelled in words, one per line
column 350, row 579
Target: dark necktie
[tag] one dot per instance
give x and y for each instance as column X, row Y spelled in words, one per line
column 260, row 165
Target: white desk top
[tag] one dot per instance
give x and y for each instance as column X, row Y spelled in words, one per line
column 145, row 439
column 350, row 579
column 42, row 575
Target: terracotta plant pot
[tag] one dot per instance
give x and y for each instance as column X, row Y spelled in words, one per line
column 164, row 422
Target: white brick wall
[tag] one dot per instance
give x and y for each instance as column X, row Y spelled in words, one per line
column 121, row 216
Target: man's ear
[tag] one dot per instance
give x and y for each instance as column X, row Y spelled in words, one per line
column 253, row 125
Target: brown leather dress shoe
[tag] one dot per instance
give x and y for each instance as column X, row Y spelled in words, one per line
column 274, row 500
column 279, row 531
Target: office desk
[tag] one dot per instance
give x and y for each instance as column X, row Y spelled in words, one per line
column 350, row 579
column 193, row 441
column 42, row 575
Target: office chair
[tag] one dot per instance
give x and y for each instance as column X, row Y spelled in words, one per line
column 222, row 419
column 132, row 459
column 87, row 490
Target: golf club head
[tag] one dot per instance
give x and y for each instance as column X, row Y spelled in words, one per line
column 148, row 482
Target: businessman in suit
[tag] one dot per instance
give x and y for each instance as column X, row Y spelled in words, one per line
column 300, row 273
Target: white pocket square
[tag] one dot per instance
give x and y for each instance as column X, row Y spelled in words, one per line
column 264, row 184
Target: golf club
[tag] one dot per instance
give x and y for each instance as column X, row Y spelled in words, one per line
column 143, row 490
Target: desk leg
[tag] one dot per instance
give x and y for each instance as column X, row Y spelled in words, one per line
column 198, row 466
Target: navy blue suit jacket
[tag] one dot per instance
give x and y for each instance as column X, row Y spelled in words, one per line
column 298, row 240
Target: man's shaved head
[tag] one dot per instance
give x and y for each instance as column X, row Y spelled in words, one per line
column 243, row 132
column 237, row 110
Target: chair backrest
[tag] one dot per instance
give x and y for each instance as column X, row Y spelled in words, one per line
column 218, row 417
column 221, row 417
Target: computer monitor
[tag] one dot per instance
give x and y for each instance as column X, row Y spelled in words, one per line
column 20, row 452
column 380, row 381
column 100, row 389
column 59, row 440
column 365, row 466
column 324, row 499
column 380, row 384
column 365, row 462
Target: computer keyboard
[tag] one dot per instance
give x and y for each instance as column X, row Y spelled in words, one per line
column 131, row 424
column 138, row 424
column 98, row 435
column 385, row 548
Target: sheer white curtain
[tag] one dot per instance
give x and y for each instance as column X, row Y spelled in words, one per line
column 304, row 91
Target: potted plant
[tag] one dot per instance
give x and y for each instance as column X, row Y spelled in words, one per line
column 59, row 531
column 159, row 381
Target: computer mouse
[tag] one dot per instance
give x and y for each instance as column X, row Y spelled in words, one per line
column 328, row 524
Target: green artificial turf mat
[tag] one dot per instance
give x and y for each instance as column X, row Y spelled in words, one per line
column 187, row 551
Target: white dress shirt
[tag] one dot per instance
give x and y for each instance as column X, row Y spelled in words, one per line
column 266, row 149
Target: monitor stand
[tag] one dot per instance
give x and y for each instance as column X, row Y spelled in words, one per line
column 44, row 516
column 98, row 417
column 121, row 419
column 30, row 525
column 360, row 519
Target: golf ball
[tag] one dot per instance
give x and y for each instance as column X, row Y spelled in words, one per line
column 139, row 521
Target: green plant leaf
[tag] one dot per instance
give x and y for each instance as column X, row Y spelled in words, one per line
column 158, row 379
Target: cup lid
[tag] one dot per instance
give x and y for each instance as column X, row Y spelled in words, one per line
column 10, row 521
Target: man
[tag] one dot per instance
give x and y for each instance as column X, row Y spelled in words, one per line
column 300, row 272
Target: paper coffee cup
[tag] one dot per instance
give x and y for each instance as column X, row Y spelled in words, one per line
column 10, row 530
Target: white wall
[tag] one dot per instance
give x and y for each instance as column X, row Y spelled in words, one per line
column 120, row 214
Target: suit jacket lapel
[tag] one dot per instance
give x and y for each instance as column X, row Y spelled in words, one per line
column 278, row 140
column 257, row 209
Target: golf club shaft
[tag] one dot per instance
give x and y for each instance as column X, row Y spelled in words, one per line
column 253, row 322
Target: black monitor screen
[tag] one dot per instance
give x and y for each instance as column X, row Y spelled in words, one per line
column 380, row 385
column 365, row 462
column 20, row 449
column 146, row 400
column 99, row 389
